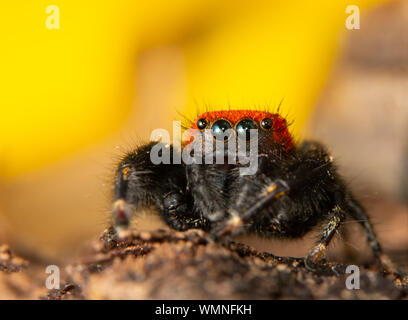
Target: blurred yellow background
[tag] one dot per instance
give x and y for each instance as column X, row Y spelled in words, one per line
column 73, row 99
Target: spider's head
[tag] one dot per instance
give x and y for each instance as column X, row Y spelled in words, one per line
column 273, row 133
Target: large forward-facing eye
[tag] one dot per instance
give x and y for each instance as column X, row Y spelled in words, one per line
column 244, row 127
column 202, row 124
column 219, row 127
column 267, row 123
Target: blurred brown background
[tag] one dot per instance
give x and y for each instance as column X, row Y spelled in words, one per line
column 362, row 114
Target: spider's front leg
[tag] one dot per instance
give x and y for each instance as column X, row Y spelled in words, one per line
column 207, row 184
column 141, row 184
column 257, row 203
column 270, row 215
column 315, row 255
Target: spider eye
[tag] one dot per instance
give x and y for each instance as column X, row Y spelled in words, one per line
column 219, row 127
column 244, row 127
column 267, row 123
column 202, row 124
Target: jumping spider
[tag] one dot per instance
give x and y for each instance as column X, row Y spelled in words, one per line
column 295, row 188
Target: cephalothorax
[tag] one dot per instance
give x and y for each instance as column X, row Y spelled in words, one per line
column 294, row 189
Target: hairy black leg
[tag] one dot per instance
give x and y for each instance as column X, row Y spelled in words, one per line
column 272, row 191
column 207, row 185
column 358, row 213
column 336, row 217
column 178, row 212
column 141, row 184
column 254, row 193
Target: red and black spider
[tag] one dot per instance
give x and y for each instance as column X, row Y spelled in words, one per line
column 295, row 188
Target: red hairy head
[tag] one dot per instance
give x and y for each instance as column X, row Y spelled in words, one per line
column 272, row 122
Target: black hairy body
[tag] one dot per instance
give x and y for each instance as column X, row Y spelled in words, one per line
column 294, row 189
